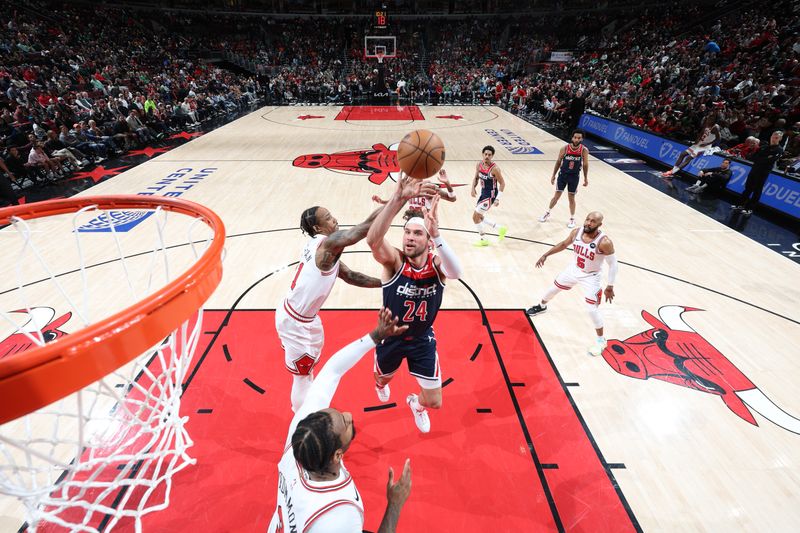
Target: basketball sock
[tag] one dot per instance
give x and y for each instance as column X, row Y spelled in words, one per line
column 594, row 314
column 479, row 227
column 489, row 223
column 300, row 386
column 601, row 339
column 414, row 403
column 675, row 169
column 549, row 294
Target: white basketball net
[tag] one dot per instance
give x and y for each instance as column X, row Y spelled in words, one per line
column 104, row 456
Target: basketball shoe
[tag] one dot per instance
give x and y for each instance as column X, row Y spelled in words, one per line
column 545, row 216
column 571, row 223
column 483, row 241
column 501, row 233
column 598, row 347
column 383, row 392
column 420, row 413
column 537, row 309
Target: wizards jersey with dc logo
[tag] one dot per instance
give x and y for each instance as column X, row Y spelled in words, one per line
column 573, row 160
column 415, row 295
column 488, row 182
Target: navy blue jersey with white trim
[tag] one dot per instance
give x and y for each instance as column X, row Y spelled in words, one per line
column 415, row 296
column 573, row 160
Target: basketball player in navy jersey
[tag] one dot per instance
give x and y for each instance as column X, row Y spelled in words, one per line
column 413, row 284
column 592, row 248
column 571, row 159
column 492, row 186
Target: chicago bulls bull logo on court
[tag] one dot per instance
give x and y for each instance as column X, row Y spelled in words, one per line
column 40, row 319
column 379, row 162
column 673, row 352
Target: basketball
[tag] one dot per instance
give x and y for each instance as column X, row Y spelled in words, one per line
column 421, row 154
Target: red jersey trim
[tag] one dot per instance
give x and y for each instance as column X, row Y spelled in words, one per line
column 295, row 315
column 327, row 508
column 327, row 488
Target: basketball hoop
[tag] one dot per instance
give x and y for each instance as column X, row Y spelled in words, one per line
column 90, row 429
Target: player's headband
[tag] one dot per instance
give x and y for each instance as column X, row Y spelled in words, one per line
column 419, row 221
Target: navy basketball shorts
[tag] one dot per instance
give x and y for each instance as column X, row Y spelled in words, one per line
column 420, row 355
column 568, row 181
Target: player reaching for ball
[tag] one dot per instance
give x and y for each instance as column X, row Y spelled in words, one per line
column 492, row 187
column 418, row 204
column 413, row 285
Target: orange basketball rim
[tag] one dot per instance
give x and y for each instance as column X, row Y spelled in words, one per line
column 45, row 374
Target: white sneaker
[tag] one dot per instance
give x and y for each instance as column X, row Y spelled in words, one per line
column 571, row 223
column 545, row 216
column 383, row 392
column 597, row 348
column 420, row 417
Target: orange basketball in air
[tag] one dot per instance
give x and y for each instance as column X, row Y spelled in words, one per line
column 421, row 154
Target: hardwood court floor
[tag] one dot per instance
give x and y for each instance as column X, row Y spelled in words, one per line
column 681, row 445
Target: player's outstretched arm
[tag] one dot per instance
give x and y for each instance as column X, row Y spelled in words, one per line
column 563, row 245
column 446, row 260
column 324, row 386
column 396, row 496
column 607, row 248
column 385, row 253
column 358, row 279
column 339, row 240
column 448, row 193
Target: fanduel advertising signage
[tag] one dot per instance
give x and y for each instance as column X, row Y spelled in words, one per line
column 780, row 192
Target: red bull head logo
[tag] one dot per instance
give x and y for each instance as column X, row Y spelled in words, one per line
column 673, row 352
column 379, row 163
column 39, row 325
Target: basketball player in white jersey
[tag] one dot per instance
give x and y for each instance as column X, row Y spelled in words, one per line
column 591, row 247
column 492, row 186
column 420, row 203
column 299, row 327
column 571, row 159
column 315, row 491
column 709, row 135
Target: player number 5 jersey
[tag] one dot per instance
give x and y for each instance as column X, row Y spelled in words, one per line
column 588, row 257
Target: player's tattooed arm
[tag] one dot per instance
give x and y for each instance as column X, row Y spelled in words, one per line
column 331, row 248
column 358, row 279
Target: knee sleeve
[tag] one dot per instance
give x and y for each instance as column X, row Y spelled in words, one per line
column 594, row 314
column 550, row 293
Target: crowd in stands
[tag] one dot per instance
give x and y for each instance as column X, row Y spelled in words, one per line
column 127, row 78
column 70, row 98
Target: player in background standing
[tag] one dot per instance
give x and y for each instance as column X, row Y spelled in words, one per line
column 315, row 491
column 591, row 247
column 492, row 186
column 571, row 159
column 296, row 320
column 413, row 286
